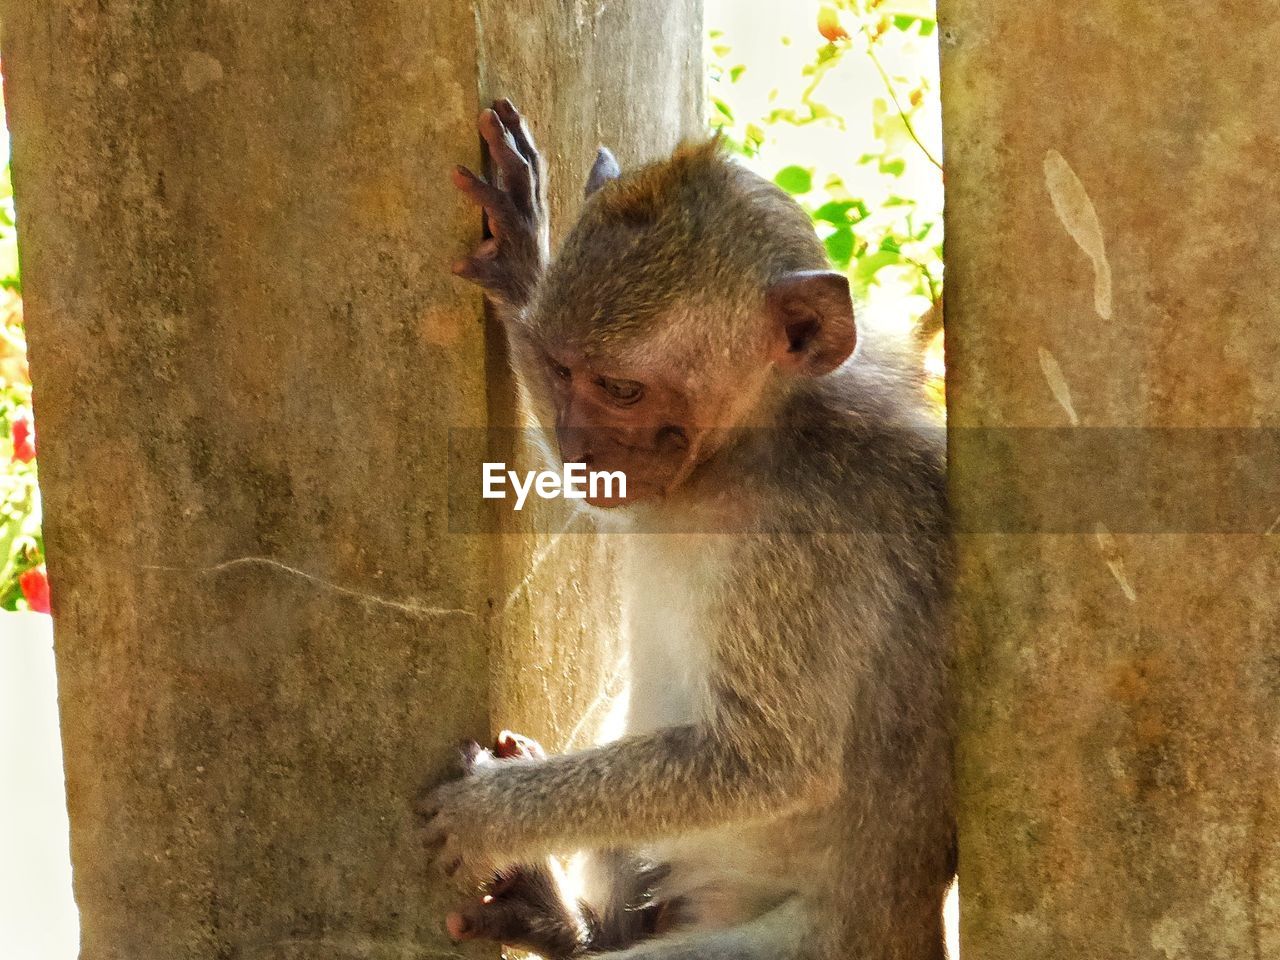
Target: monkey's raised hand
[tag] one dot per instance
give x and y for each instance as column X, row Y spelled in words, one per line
column 509, row 262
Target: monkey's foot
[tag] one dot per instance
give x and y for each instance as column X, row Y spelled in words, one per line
column 523, row 906
column 524, row 909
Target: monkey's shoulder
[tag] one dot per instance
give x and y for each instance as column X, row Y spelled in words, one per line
column 860, row 451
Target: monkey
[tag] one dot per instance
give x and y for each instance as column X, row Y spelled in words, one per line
column 786, row 561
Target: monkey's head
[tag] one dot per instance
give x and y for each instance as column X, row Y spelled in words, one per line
column 688, row 299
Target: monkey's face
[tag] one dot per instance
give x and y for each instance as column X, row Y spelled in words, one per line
column 654, row 425
column 659, row 404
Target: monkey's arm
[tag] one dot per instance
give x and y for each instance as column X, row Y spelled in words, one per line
column 510, row 260
column 781, row 698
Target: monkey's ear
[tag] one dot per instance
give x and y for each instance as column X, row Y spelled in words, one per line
column 811, row 313
column 602, row 171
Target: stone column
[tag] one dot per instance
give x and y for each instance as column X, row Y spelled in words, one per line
column 1113, row 238
column 248, row 353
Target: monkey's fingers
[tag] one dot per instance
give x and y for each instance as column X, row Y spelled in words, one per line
column 499, row 920
column 425, row 805
column 482, row 268
column 470, row 754
column 506, row 922
column 441, row 847
column 515, row 170
column 496, row 204
column 519, row 130
column 433, row 842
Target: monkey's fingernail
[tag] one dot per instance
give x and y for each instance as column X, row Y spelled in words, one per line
column 458, row 266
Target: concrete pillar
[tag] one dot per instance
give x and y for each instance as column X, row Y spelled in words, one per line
column 248, row 352
column 1113, row 236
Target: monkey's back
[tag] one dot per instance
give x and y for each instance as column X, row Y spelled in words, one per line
column 853, row 519
column 886, row 469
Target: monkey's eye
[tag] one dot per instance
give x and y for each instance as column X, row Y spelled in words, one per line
column 560, row 370
column 625, row 392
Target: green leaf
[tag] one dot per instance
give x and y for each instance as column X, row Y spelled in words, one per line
column 871, row 264
column 736, row 72
column 835, row 212
column 795, row 180
column 840, row 247
column 827, row 53
column 923, row 231
column 893, row 167
column 9, row 532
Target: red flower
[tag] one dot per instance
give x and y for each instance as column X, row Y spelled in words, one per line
column 35, row 587
column 829, row 25
column 24, row 438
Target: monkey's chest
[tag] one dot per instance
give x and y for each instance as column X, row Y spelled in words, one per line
column 664, row 615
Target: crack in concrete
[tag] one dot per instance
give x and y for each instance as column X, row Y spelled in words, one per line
column 411, row 606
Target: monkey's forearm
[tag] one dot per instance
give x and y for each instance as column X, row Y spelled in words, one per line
column 643, row 788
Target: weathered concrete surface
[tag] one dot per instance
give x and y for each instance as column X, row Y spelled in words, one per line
column 236, row 225
column 630, row 76
column 1113, row 236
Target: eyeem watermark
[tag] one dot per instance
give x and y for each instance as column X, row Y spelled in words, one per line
column 573, row 482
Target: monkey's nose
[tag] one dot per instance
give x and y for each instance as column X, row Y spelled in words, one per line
column 573, row 447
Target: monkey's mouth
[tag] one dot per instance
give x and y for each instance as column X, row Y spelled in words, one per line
column 637, row 491
column 609, row 503
column 652, row 476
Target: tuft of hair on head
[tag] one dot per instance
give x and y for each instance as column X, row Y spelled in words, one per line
column 695, row 235
column 645, row 194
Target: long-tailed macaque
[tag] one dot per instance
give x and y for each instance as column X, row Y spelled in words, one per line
column 783, row 789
